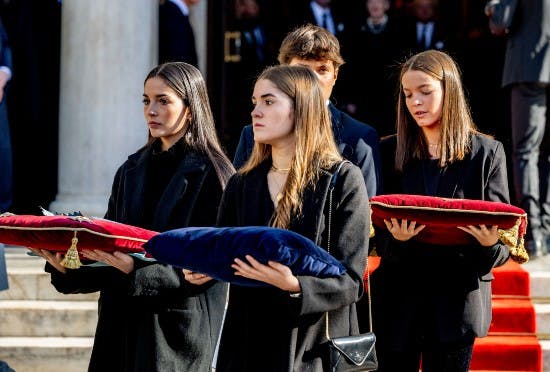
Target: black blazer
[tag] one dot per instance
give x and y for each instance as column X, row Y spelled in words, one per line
column 176, row 37
column 296, row 326
column 357, row 142
column 439, row 293
column 152, row 319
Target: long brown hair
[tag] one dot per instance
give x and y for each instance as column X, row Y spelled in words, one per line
column 315, row 148
column 200, row 135
column 456, row 126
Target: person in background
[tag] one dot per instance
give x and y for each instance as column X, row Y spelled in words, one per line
column 176, row 36
column 430, row 302
column 255, row 50
column 316, row 48
column 377, row 52
column 527, row 74
column 284, row 184
column 150, row 317
column 424, row 31
column 6, row 173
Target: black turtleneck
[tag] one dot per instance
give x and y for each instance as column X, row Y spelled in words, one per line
column 160, row 170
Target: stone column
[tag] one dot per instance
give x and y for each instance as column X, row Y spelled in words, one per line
column 107, row 48
column 198, row 17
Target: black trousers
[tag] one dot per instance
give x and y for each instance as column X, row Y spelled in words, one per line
column 451, row 357
column 531, row 157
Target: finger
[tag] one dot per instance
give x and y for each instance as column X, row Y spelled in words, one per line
column 394, row 222
column 240, row 263
column 388, row 224
column 253, row 262
column 404, row 225
column 202, row 280
column 418, row 229
column 412, row 226
column 277, row 266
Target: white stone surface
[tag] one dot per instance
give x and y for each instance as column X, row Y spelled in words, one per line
column 47, row 354
column 545, row 354
column 543, row 318
column 540, row 284
column 107, row 49
column 198, row 17
column 48, row 318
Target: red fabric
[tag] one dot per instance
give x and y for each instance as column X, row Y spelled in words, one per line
column 511, row 280
column 508, row 353
column 442, row 216
column 55, row 233
column 513, row 315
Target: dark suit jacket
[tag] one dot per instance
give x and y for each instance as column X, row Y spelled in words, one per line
column 296, row 326
column 176, row 37
column 440, row 39
column 528, row 48
column 152, row 319
column 357, row 142
column 302, row 14
column 438, row 293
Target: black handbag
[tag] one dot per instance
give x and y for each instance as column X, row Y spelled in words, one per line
column 350, row 353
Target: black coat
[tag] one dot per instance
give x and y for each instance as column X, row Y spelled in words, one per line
column 152, row 319
column 356, row 141
column 267, row 330
column 431, row 293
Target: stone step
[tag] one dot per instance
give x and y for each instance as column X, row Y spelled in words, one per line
column 543, row 319
column 28, row 280
column 33, row 283
column 545, row 344
column 46, row 354
column 48, row 318
column 540, row 286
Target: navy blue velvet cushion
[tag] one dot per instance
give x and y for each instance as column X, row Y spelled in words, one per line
column 211, row 251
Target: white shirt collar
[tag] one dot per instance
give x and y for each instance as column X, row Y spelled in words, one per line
column 183, row 7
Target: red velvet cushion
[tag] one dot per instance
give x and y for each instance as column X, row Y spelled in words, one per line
column 55, row 233
column 442, row 216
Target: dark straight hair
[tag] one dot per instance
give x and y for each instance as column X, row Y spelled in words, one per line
column 188, row 83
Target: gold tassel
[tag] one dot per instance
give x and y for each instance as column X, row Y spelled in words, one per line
column 519, row 253
column 510, row 238
column 371, row 230
column 71, row 260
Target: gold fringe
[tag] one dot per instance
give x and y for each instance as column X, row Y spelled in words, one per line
column 71, row 260
column 519, row 253
column 510, row 238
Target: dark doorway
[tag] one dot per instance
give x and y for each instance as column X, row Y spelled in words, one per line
column 34, row 31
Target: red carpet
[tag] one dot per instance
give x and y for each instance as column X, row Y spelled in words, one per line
column 511, row 344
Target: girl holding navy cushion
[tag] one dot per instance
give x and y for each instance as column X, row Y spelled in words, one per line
column 430, row 301
column 284, row 184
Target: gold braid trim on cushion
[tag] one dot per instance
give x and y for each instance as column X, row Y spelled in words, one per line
column 71, row 260
column 510, row 238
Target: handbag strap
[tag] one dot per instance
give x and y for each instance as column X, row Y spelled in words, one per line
column 330, row 190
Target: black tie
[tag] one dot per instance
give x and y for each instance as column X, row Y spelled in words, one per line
column 324, row 23
column 422, row 41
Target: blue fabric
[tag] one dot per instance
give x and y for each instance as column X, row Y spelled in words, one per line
column 212, row 251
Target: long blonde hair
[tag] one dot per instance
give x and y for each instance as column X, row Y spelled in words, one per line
column 315, row 148
column 456, row 126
